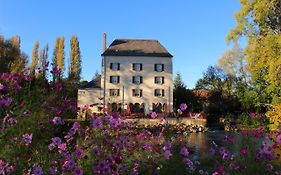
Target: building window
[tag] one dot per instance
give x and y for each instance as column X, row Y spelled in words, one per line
column 159, row 80
column 158, row 67
column 115, row 66
column 159, row 92
column 114, row 79
column 137, row 66
column 137, row 93
column 137, row 79
column 114, row 92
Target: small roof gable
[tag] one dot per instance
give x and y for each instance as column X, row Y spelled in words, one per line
column 136, row 47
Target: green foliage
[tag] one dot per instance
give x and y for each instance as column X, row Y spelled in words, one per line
column 75, row 61
column 11, row 57
column 259, row 21
column 35, row 57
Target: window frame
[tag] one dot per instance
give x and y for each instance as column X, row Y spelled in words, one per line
column 156, row 66
column 112, row 67
column 134, row 68
column 111, row 94
column 162, row 81
column 134, row 79
column 162, row 92
column 113, row 76
column 139, row 94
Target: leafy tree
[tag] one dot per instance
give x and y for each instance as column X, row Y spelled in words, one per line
column 180, row 91
column 233, row 63
column 259, row 21
column 212, row 79
column 11, row 58
column 35, row 57
column 75, row 60
column 60, row 56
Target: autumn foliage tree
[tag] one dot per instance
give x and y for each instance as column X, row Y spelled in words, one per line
column 259, row 22
column 75, row 61
column 12, row 59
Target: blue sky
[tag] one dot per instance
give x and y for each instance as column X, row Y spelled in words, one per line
column 193, row 31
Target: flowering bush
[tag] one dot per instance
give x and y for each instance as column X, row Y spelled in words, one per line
column 36, row 137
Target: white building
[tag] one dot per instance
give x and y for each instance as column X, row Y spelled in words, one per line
column 137, row 77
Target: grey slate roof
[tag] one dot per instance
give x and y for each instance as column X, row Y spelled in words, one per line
column 92, row 84
column 136, row 47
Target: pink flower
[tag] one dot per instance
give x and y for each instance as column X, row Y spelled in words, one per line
column 278, row 139
column 167, row 154
column 184, row 151
column 269, row 167
column 153, row 115
column 57, row 120
column 62, row 146
column 183, row 107
column 1, row 86
column 27, row 138
column 77, row 171
column 79, row 153
column 97, row 123
column 37, row 170
column 252, row 114
column 244, row 151
column 215, row 173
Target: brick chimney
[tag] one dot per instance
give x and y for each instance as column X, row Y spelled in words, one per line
column 104, row 42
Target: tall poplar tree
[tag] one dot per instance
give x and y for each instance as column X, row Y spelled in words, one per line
column 60, row 56
column 35, row 57
column 75, row 60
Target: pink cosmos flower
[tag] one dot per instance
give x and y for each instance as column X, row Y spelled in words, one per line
column 79, row 153
column 167, row 154
column 278, row 139
column 27, row 138
column 97, row 123
column 183, row 107
column 37, row 170
column 184, row 151
column 1, row 86
column 153, row 115
column 244, row 151
column 77, row 171
column 252, row 114
column 57, row 120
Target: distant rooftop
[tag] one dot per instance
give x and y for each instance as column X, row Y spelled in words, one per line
column 136, row 47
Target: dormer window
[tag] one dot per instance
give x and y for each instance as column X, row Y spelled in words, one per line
column 137, row 79
column 137, row 66
column 158, row 67
column 159, row 80
column 114, row 79
column 115, row 66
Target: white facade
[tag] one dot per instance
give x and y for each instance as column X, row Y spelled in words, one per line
column 137, row 75
column 147, row 86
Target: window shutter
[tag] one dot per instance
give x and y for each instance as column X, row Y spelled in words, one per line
column 155, row 79
column 110, row 79
column 118, row 92
column 140, row 93
column 118, row 79
column 140, row 66
column 163, row 93
column 118, row 66
column 155, row 67
column 162, row 80
column 154, row 92
column 162, row 67
column 110, row 65
column 140, row 79
column 133, row 80
column 133, row 65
